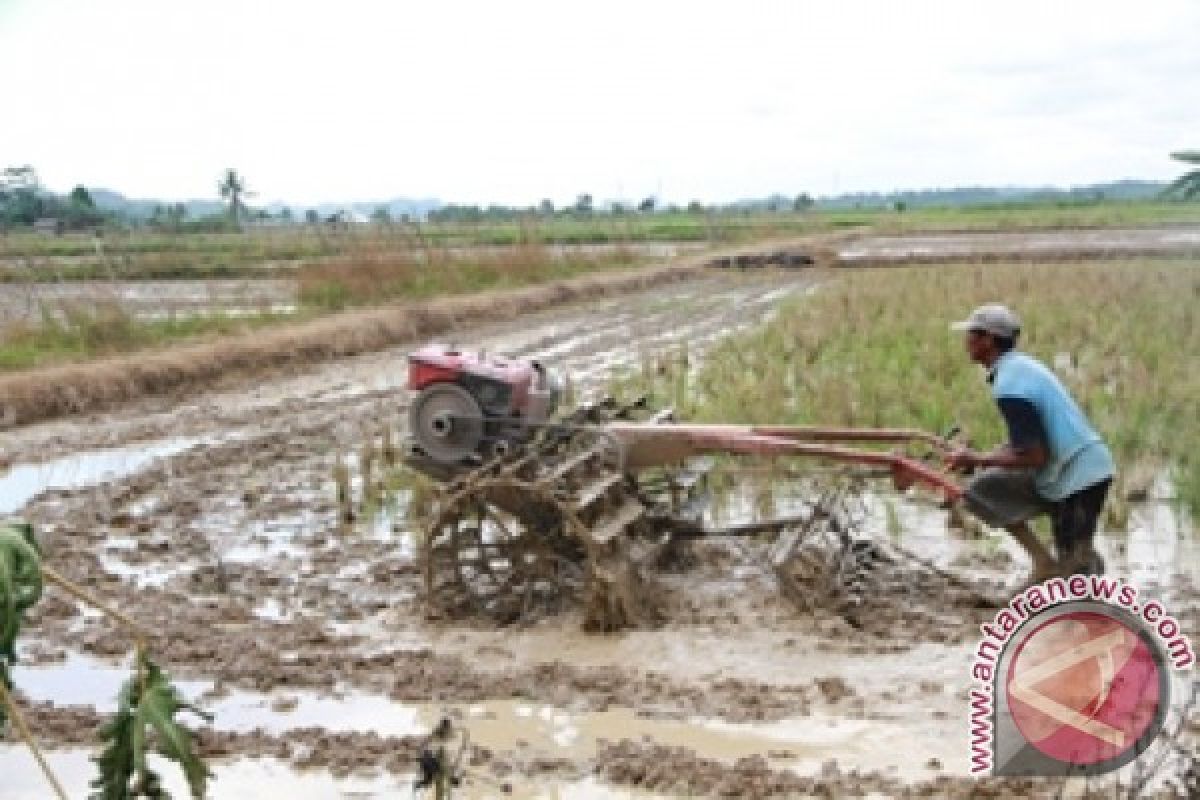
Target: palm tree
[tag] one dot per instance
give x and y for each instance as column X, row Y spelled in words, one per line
column 232, row 187
column 1187, row 185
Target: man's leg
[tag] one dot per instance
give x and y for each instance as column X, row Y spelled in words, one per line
column 1045, row 566
column 1074, row 521
column 1008, row 498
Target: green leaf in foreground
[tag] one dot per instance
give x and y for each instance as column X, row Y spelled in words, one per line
column 145, row 723
column 20, row 588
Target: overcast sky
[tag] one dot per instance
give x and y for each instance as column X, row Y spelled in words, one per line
column 510, row 101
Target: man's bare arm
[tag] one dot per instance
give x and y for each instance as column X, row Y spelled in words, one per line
column 1008, row 457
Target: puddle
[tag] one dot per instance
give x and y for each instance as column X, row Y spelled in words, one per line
column 154, row 299
column 273, row 540
column 259, row 541
column 143, row 577
column 232, row 312
column 152, row 574
column 24, row 481
column 250, row 778
column 1161, row 540
column 801, row 744
column 270, row 610
column 281, row 711
column 84, row 681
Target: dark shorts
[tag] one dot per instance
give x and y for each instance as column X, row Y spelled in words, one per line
column 1074, row 517
column 1004, row 497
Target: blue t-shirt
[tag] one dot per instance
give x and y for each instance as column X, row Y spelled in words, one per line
column 1076, row 455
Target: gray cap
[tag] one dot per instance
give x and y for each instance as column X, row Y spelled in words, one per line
column 992, row 318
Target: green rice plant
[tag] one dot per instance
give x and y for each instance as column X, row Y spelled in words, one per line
column 343, row 495
column 895, row 528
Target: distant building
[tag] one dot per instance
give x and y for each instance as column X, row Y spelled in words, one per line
column 346, row 217
column 51, row 226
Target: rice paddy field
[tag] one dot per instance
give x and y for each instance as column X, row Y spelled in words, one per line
column 872, row 348
column 198, row 486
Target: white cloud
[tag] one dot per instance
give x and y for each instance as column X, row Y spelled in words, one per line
column 510, row 102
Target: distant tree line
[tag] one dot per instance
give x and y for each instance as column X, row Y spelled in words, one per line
column 585, row 205
column 24, row 201
column 988, row 196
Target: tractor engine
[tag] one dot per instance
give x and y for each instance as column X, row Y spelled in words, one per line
column 474, row 406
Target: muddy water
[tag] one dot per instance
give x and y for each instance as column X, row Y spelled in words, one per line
column 268, row 777
column 149, row 299
column 285, row 622
column 23, row 481
column 800, row 743
column 948, row 245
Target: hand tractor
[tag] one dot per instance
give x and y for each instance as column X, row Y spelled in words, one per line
column 537, row 508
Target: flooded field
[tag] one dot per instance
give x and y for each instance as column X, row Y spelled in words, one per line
column 273, row 291
column 1044, row 244
column 212, row 520
column 150, row 299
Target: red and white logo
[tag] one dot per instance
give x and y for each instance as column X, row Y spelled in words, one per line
column 1083, row 688
column 1075, row 676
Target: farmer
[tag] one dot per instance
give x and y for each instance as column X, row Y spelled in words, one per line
column 1054, row 463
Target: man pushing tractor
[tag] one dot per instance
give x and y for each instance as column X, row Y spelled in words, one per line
column 1054, row 462
column 535, row 502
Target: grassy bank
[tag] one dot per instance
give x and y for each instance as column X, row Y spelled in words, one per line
column 872, row 348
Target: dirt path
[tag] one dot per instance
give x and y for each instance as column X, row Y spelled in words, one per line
column 212, row 521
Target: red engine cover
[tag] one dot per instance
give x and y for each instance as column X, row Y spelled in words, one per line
column 439, row 364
